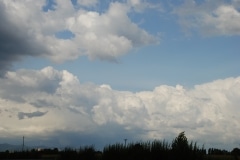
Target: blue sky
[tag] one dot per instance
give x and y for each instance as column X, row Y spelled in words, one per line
column 176, row 60
column 132, row 67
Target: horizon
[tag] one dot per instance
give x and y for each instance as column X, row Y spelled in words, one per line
column 31, row 144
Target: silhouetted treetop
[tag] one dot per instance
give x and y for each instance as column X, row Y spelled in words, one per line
column 180, row 142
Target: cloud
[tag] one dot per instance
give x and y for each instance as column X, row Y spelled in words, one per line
column 29, row 28
column 142, row 5
column 208, row 112
column 210, row 18
column 87, row 2
column 27, row 82
column 22, row 115
column 15, row 41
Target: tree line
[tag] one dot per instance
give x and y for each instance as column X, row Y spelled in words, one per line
column 179, row 149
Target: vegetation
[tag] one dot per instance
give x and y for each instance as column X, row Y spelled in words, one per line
column 179, row 149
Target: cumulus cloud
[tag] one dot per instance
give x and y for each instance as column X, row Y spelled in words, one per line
column 15, row 41
column 210, row 17
column 30, row 28
column 208, row 112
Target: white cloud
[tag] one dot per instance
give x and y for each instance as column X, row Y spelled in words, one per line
column 142, row 5
column 208, row 112
column 87, row 2
column 109, row 35
column 210, row 17
column 104, row 36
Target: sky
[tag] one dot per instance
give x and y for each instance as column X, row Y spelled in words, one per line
column 83, row 72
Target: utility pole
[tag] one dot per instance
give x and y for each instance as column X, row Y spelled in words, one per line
column 125, row 142
column 23, row 144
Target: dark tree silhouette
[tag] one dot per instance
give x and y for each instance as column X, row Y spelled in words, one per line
column 180, row 148
column 180, row 143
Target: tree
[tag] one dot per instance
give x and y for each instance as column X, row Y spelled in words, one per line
column 235, row 152
column 180, row 143
column 180, row 147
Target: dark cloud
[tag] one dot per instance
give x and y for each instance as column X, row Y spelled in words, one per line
column 14, row 42
column 22, row 115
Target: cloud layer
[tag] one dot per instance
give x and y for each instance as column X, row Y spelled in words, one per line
column 47, row 103
column 30, row 28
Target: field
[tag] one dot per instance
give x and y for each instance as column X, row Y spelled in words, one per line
column 220, row 157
